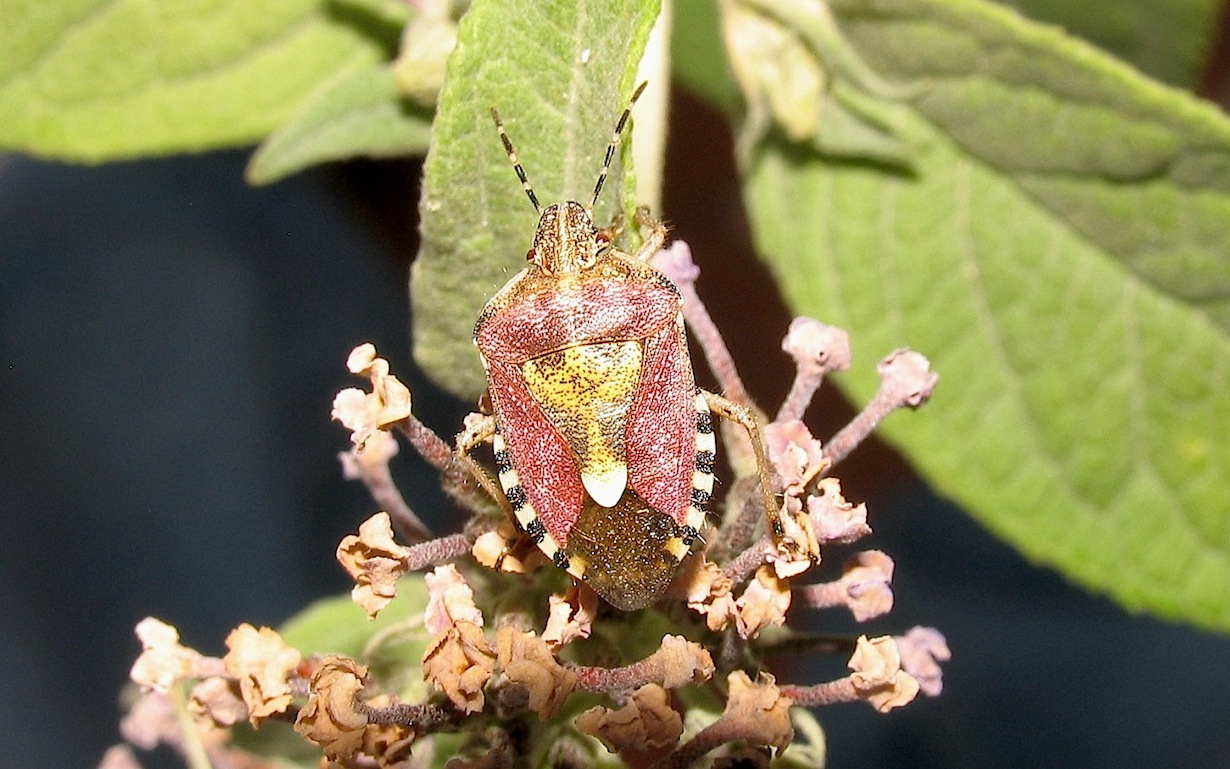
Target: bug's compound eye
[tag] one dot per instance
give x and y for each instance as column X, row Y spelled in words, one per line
column 529, row 255
column 603, row 238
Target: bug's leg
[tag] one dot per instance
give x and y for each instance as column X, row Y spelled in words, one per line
column 479, row 432
column 654, row 233
column 746, row 418
column 611, row 232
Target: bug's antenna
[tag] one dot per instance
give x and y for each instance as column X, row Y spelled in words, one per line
column 614, row 145
column 512, row 156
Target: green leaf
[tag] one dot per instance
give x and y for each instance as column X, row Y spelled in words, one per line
column 697, row 59
column 360, row 113
column 1167, row 39
column 98, row 80
column 339, row 626
column 1062, row 254
column 559, row 92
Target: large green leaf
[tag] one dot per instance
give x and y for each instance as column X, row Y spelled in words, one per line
column 102, row 79
column 1062, row 254
column 559, row 91
column 1167, row 39
column 361, row 113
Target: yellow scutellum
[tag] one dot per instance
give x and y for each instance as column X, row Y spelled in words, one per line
column 374, row 561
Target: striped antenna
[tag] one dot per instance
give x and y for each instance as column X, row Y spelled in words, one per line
column 512, row 156
column 614, row 145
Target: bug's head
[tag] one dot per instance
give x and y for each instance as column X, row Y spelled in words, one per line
column 566, row 239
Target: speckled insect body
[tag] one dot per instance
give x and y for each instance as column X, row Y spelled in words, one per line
column 603, row 443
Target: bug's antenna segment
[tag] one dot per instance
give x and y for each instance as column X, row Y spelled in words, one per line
column 614, row 145
column 512, row 156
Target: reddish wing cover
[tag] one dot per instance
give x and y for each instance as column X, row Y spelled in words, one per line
column 541, row 456
column 560, row 316
column 661, row 436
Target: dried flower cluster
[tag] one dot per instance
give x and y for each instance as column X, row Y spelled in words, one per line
column 521, row 666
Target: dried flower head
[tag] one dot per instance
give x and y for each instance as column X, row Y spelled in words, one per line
column 763, row 603
column 366, row 414
column 528, row 663
column 374, row 561
column 485, row 672
column 460, row 663
column 835, row 519
column 878, row 677
column 709, row 592
column 449, row 600
column 164, row 661
column 263, row 664
column 570, row 616
column 333, row 717
column 922, row 650
column 643, row 727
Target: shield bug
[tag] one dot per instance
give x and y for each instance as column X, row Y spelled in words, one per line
column 603, row 443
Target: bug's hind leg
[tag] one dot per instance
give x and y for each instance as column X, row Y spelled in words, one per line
column 747, row 419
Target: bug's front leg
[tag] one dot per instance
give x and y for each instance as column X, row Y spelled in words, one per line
column 477, row 432
column 653, row 233
column 747, row 419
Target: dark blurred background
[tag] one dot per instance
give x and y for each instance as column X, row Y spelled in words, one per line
column 172, row 340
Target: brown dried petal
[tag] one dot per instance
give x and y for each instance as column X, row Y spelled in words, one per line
column 528, row 662
column 878, row 677
column 796, row 549
column 764, row 602
column 263, row 664
column 449, row 600
column 647, row 721
column 215, row 701
column 331, row 718
column 505, row 549
column 709, row 593
column 795, row 454
column 835, row 519
column 374, row 561
column 760, row 708
column 367, row 413
column 459, row 664
column 570, row 616
column 163, row 661
column 683, row 662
